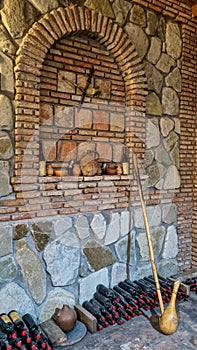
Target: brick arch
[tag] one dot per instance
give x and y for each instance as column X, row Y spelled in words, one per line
column 30, row 57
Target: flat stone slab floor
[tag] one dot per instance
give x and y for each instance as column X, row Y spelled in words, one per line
column 142, row 333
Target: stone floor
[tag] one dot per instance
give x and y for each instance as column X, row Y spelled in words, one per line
column 141, row 333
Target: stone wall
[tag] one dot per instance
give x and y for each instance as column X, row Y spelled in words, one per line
column 165, row 42
column 47, row 263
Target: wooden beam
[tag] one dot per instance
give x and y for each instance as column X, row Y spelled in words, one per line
column 86, row 317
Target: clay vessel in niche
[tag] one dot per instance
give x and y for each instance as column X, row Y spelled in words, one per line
column 111, row 169
column 49, row 170
column 65, row 317
column 76, row 169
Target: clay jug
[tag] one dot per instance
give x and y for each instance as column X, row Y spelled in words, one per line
column 65, row 318
column 49, row 170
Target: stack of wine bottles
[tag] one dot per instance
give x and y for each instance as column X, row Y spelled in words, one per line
column 192, row 283
column 21, row 333
column 128, row 299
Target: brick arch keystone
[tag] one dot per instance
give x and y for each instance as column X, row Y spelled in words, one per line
column 30, row 57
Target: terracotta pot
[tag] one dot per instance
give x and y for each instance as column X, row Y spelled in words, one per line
column 76, row 169
column 65, row 318
column 49, row 170
column 111, row 169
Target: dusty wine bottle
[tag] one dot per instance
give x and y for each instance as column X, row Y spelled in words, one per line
column 93, row 310
column 107, row 292
column 128, row 289
column 16, row 343
column 102, row 309
column 32, row 346
column 4, row 345
column 141, row 285
column 124, row 314
column 101, row 325
column 103, row 300
column 118, row 305
column 119, row 320
column 34, row 329
column 138, row 288
column 122, row 301
column 125, row 294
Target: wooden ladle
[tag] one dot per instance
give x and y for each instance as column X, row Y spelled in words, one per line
column 168, row 322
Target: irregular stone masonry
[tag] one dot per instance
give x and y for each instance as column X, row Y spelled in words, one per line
column 29, row 62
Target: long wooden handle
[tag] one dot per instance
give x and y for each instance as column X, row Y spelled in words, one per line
column 151, row 253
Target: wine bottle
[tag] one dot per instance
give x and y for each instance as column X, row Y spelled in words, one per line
column 122, row 301
column 130, row 290
column 107, row 292
column 143, row 296
column 167, row 283
column 147, row 289
column 34, row 329
column 32, row 346
column 162, row 287
column 7, row 326
column 138, row 312
column 94, row 311
column 114, row 313
column 125, row 294
column 111, row 321
column 99, row 327
column 16, row 342
column 118, row 305
column 124, row 314
column 119, row 320
column 20, row 326
column 103, row 300
column 102, row 324
column 4, row 345
column 102, row 309
column 137, row 287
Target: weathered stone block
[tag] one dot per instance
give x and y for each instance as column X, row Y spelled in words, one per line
column 67, row 150
column 97, row 255
column 83, row 118
column 100, row 120
column 98, row 226
column 64, row 116
column 6, row 148
column 6, row 121
column 87, row 285
column 32, row 270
